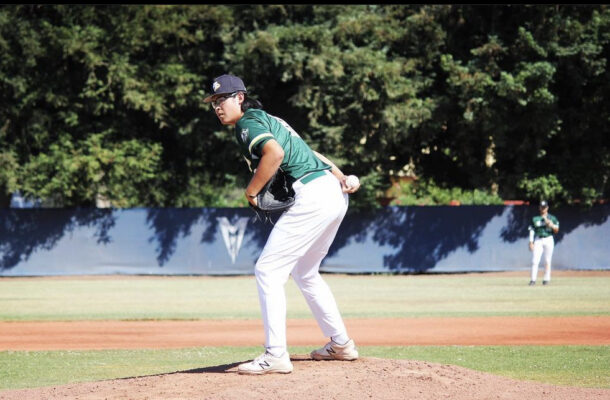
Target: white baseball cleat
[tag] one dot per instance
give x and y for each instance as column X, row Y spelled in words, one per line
column 335, row 351
column 266, row 364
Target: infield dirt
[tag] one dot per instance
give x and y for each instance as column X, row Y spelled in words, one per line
column 98, row 335
column 367, row 378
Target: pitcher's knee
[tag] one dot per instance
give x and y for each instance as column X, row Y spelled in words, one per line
column 313, row 284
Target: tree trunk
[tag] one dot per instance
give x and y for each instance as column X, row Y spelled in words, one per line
column 5, row 198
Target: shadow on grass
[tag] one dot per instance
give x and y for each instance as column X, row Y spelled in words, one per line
column 218, row 369
column 232, row 368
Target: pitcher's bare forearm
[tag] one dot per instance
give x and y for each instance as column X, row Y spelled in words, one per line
column 334, row 169
column 272, row 156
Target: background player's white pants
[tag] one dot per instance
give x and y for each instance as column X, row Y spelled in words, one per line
column 297, row 244
column 542, row 246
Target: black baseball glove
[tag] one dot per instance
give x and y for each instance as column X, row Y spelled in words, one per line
column 276, row 195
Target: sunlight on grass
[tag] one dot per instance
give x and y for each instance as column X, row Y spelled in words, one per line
column 137, row 298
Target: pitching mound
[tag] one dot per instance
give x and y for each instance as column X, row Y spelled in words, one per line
column 367, row 378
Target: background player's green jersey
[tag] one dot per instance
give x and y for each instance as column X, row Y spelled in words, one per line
column 539, row 226
column 256, row 127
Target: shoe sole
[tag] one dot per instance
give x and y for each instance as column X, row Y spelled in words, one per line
column 318, row 357
column 274, row 371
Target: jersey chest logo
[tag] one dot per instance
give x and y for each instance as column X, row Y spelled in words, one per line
column 244, row 135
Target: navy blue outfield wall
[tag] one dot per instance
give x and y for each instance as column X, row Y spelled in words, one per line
column 227, row 241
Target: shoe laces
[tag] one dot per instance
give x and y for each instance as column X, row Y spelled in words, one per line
column 262, row 357
column 329, row 346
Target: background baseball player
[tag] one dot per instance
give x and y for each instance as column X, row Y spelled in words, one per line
column 541, row 241
column 301, row 237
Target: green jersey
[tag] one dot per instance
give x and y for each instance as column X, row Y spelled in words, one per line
column 539, row 227
column 256, row 127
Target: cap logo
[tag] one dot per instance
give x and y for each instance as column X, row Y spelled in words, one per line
column 216, row 86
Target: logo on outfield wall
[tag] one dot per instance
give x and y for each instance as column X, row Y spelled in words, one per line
column 233, row 235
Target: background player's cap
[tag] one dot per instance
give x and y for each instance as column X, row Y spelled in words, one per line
column 226, row 84
column 544, row 204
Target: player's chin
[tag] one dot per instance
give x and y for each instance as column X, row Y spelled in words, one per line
column 227, row 122
column 222, row 118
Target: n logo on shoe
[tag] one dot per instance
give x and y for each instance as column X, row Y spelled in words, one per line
column 264, row 365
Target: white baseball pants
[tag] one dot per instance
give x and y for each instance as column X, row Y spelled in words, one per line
column 543, row 246
column 296, row 246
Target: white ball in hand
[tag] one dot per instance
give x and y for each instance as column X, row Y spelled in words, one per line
column 352, row 181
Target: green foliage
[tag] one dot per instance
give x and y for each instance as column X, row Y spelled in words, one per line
column 543, row 187
column 8, row 171
column 200, row 193
column 471, row 97
column 427, row 193
column 122, row 173
column 366, row 196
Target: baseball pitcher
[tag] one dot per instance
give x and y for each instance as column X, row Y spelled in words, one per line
column 302, row 235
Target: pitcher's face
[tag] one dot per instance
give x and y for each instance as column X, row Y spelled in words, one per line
column 228, row 107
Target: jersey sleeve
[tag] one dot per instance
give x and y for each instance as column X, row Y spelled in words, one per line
column 555, row 221
column 254, row 134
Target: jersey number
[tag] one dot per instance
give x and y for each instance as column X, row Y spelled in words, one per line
column 288, row 127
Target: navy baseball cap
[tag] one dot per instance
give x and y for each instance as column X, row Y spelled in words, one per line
column 225, row 84
column 544, row 204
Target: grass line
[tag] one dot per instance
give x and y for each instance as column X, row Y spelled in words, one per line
column 585, row 366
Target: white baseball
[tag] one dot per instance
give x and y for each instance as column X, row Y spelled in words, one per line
column 352, row 181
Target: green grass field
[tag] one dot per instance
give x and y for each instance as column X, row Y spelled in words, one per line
column 138, row 298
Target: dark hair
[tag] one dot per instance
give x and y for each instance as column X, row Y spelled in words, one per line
column 250, row 103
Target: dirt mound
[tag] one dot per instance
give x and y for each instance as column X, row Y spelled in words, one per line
column 367, row 378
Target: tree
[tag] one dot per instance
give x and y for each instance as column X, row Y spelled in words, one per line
column 105, row 101
column 117, row 84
